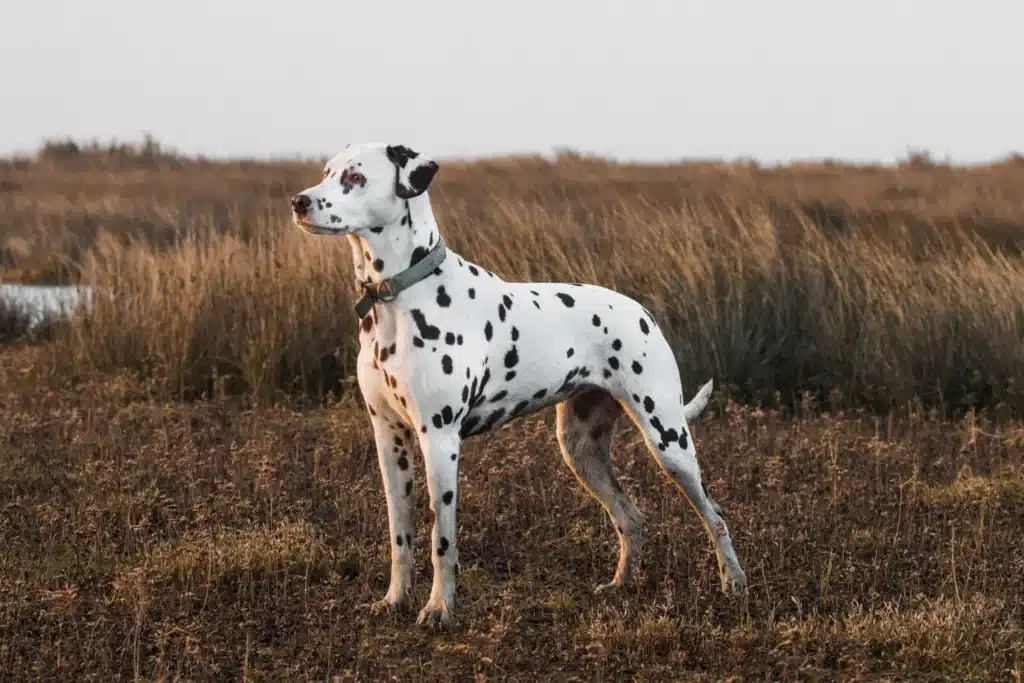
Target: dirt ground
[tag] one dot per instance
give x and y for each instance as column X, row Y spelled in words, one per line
column 142, row 539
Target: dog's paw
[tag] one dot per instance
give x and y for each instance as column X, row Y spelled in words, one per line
column 610, row 586
column 435, row 613
column 391, row 603
column 734, row 583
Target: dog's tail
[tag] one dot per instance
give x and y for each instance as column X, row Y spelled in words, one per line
column 697, row 404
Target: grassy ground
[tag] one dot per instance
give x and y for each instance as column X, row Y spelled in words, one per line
column 209, row 541
column 188, row 488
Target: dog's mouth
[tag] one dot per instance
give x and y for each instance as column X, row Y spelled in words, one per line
column 312, row 228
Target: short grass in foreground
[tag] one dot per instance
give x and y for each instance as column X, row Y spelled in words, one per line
column 211, row 541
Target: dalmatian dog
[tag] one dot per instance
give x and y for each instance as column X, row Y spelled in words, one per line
column 449, row 350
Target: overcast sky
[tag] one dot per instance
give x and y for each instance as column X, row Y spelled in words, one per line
column 633, row 79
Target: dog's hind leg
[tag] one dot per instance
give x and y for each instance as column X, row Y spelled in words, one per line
column 668, row 439
column 585, row 425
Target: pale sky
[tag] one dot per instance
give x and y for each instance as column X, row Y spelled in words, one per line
column 634, row 80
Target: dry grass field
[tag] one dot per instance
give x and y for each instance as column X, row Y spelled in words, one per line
column 189, row 491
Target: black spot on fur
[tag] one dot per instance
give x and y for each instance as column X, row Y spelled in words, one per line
column 443, row 300
column 446, row 415
column 488, row 331
column 408, row 488
column 403, row 463
column 648, row 404
column 637, row 368
column 473, row 270
column 468, row 426
column 511, row 357
column 614, row 363
column 567, row 300
column 476, row 393
column 501, row 312
column 378, row 264
column 498, row 396
column 568, row 354
column 418, row 254
column 472, row 293
column 519, row 407
column 449, row 338
column 438, row 423
column 378, row 230
column 540, row 394
column 421, row 176
column 596, row 320
column 399, row 155
column 606, row 373
column 446, row 364
column 667, row 435
column 416, row 341
column 447, row 497
column 455, row 456
column 617, row 344
column 427, row 331
column 442, row 547
column 507, row 300
column 510, row 375
column 492, row 419
column 465, row 393
column 515, row 333
column 536, row 304
column 398, row 540
column 644, row 327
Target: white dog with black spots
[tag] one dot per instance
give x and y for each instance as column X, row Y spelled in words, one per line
column 448, row 351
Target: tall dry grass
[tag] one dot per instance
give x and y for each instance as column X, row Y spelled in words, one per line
column 858, row 286
column 771, row 311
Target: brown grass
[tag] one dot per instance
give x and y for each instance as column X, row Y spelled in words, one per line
column 209, row 541
column 242, row 537
column 859, row 286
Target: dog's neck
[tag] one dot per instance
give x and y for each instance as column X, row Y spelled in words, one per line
column 378, row 255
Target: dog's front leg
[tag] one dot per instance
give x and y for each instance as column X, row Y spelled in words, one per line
column 441, row 455
column 395, row 446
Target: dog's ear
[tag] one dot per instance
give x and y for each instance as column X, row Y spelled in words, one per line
column 413, row 171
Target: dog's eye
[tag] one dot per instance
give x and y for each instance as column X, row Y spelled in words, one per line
column 357, row 178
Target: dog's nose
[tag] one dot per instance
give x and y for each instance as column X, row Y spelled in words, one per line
column 301, row 204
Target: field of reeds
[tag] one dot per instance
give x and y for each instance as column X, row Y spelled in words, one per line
column 188, row 489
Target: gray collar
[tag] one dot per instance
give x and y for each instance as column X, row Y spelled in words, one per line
column 387, row 289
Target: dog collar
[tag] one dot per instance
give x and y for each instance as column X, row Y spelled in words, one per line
column 388, row 288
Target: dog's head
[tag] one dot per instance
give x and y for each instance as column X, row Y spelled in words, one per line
column 364, row 187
